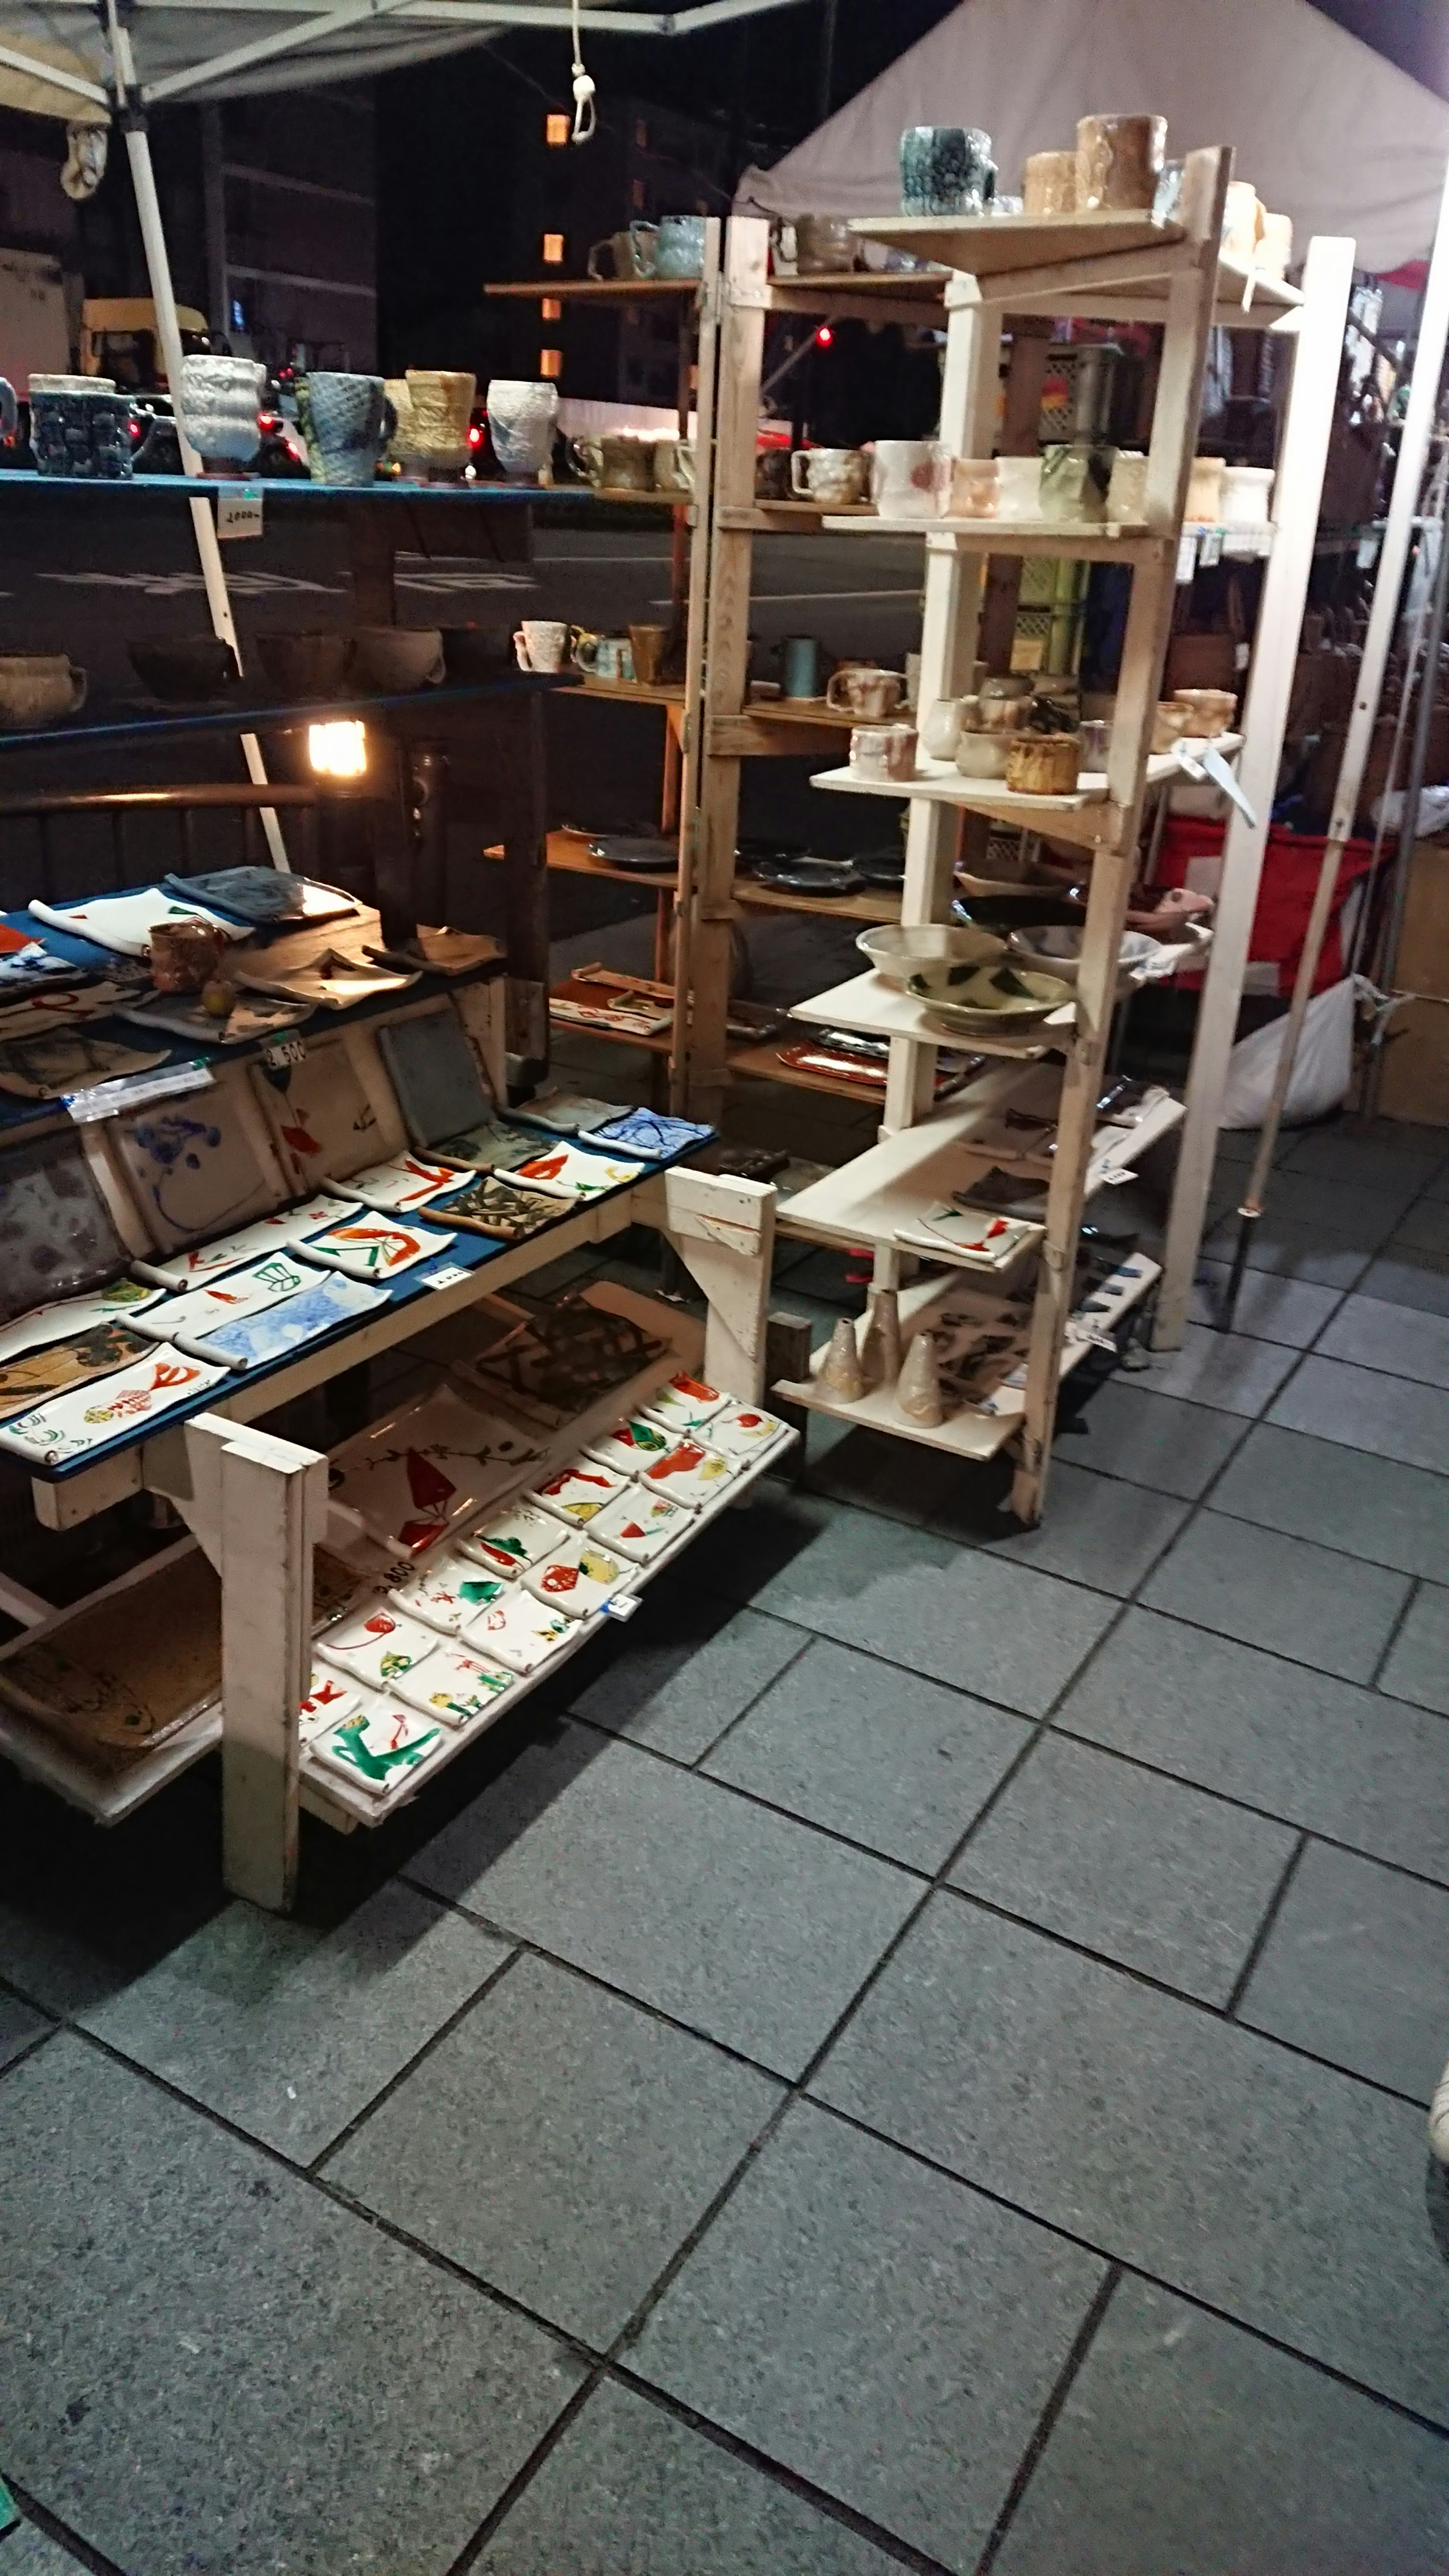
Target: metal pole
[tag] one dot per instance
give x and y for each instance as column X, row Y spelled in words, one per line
column 1409, row 826
column 1383, row 617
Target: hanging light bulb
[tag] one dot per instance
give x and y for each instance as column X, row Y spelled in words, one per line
column 338, row 749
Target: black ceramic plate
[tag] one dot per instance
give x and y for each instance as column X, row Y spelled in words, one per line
column 880, row 867
column 617, row 850
column 810, row 876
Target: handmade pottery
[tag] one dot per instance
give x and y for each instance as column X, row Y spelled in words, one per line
column 399, row 1187
column 982, row 754
column 1076, row 476
column 799, row 666
column 194, row 1165
column 568, row 1113
column 1275, row 243
column 73, row 1318
column 66, row 1060
column 1245, row 493
column 38, row 688
column 573, row 1172
column 650, row 1133
column 1018, row 487
column 678, row 245
column 448, row 1590
column 224, row 1301
column 629, row 253
column 124, row 922
column 818, row 245
column 129, row 1401
column 82, row 428
column 377, row 1747
column 521, row 417
column 1043, row 764
column 453, row 1688
column 685, row 1404
column 322, row 1122
column 578, row 1578
column 305, row 666
column 258, row 1341
column 197, row 1261
column 649, row 645
column 395, row 659
column 518, row 1632
column 512, row 1539
column 614, row 463
column 918, row 1387
column 415, row 1476
column 183, row 670
column 641, row 1525
column 691, row 1474
column 946, row 170
column 185, row 956
column 1205, row 491
column 36, row 1377
column 605, row 657
column 884, row 752
column 1174, row 721
column 1127, row 486
column 857, row 690
column 541, row 644
column 369, row 1247
column 377, row 1646
column 115, row 1676
column 1049, row 184
column 220, row 401
column 632, row 1446
column 327, row 1702
column 1212, row 709
column 491, row 1146
column 472, row 654
column 840, row 1373
column 434, row 410
column 579, row 1492
column 910, row 478
column 435, row 1075
column 941, row 730
column 772, row 474
column 975, row 487
column 346, row 421
column 1119, row 162
column 880, row 1346
column 833, row 476
column 1242, row 222
column 674, row 464
column 492, row 1206
column 744, row 1431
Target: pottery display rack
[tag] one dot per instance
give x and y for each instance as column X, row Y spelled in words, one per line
column 1016, row 264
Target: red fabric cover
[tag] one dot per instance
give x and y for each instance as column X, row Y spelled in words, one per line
column 1285, row 897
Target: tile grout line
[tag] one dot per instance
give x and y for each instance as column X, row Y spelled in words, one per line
column 1261, row 1937
column 1046, row 2423
column 434, row 2040
column 1401, row 1621
column 45, row 2521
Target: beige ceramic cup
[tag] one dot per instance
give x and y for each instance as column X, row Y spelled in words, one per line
column 1049, row 184
column 614, row 463
column 833, row 475
column 1119, row 162
column 859, row 690
column 1275, row 245
column 674, row 464
column 982, row 755
column 884, row 752
column 432, row 427
column 975, row 487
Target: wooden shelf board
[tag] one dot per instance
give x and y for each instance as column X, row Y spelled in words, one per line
column 1272, row 300
column 597, row 290
column 791, row 518
column 996, row 245
column 871, row 907
column 878, row 1009
column 1076, row 817
column 1092, row 540
column 921, row 287
column 636, row 693
column 798, row 711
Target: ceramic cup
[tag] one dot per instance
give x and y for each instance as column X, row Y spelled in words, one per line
column 946, row 170
column 604, row 657
column 909, row 478
column 772, row 474
column 818, row 245
column 678, row 245
column 393, row 659
column 886, row 751
column 1018, row 487
column 521, row 416
column 673, row 464
column 1001, row 714
column 1212, row 709
column 1205, row 491
column 1043, row 764
column 975, row 487
column 799, row 666
column 859, row 690
column 1242, row 222
column 941, row 729
column 1275, row 244
column 833, row 475
column 1049, row 184
column 305, row 666
column 184, row 670
column 220, row 400
column 36, row 688
column 982, row 755
column 1119, row 162
column 614, row 463
column 346, row 422
column 628, row 254
column 434, row 407
column 1127, row 489
column 1075, row 480
column 80, row 426
column 1246, row 491
column 651, row 645
column 541, row 643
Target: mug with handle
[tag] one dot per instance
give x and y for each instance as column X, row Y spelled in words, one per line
column 632, row 253
column 543, row 643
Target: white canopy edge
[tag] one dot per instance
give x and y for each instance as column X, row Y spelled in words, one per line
column 1328, row 131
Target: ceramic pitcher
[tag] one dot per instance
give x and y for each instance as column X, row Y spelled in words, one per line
column 346, row 422
column 521, row 415
column 220, row 400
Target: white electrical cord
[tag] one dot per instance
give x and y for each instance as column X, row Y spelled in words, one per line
column 585, row 113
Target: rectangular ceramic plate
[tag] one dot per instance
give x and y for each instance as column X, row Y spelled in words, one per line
column 988, row 1242
column 68, row 1317
column 690, row 1474
column 38, row 1377
column 375, row 1247
column 62, row 1060
column 579, row 1577
column 56, row 1233
column 130, row 1401
column 650, row 1133
column 379, row 1746
column 632, row 1446
column 685, row 1404
column 376, row 1646
column 399, row 1186
column 447, row 1591
column 225, row 1301
column 201, row 1261
column 194, row 1166
column 511, row 1539
column 318, row 1113
column 252, row 1017
column 492, row 1207
column 256, row 1341
column 578, row 1492
column 414, row 1476
column 435, row 1075
column 518, row 1632
column 569, row 1113
column 564, row 1171
column 640, row 1525
column 489, row 1147
column 453, row 1687
column 327, row 1702
column 744, row 1431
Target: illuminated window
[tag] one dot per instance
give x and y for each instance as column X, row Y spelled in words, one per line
column 556, row 129
column 550, row 362
column 550, row 309
column 553, row 250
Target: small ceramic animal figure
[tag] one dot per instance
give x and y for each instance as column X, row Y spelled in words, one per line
column 918, row 1388
column 840, row 1370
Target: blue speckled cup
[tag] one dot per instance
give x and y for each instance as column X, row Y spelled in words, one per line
column 946, row 170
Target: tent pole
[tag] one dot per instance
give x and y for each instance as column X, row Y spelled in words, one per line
column 168, row 329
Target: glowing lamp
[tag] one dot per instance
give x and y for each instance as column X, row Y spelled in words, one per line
column 339, row 749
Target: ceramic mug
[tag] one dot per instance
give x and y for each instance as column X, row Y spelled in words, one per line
column 858, row 690
column 673, row 464
column 80, row 426
column 1049, row 184
column 346, row 422
column 1076, row 477
column 631, row 252
column 885, row 752
column 1119, row 162
column 651, row 646
column 946, row 170
column 521, row 415
column 832, row 475
column 614, row 463
column 678, row 245
column 434, row 407
column 604, row 657
column 818, row 245
column 220, row 400
column 1018, row 487
column 35, row 688
column 541, row 643
column 909, row 478
column 772, row 474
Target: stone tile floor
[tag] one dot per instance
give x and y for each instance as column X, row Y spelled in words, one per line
column 914, row 2056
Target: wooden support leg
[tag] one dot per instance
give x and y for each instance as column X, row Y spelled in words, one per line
column 723, row 1230
column 525, row 894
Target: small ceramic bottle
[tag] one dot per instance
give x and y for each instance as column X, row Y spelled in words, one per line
column 840, row 1370
column 880, row 1349
column 918, row 1388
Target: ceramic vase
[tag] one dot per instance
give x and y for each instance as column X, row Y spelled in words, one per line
column 521, row 416
column 346, row 422
column 880, row 1349
column 840, row 1370
column 220, row 400
column 918, row 1388
column 946, row 170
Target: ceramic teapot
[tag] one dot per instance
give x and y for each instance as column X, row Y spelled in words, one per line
column 346, row 422
column 220, row 400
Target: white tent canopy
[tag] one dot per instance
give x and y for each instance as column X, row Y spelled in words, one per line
column 1329, row 132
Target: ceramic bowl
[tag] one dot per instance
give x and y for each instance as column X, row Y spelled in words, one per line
column 982, row 755
column 977, row 1001
column 1058, row 951
column 898, row 955
column 305, row 666
column 185, row 670
column 397, row 658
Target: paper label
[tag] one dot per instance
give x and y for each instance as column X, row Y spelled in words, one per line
column 134, row 1090
column 448, row 1276
column 239, row 510
column 284, row 1051
column 1210, row 546
column 1187, row 555
column 621, row 1605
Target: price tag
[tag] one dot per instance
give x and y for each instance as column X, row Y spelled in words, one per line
column 136, row 1091
column 1187, row 555
column 621, row 1605
column 447, row 1277
column 284, row 1051
column 1210, row 546
column 239, row 510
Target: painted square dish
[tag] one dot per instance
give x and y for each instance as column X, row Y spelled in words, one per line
column 377, row 1646
column 564, row 1171
column 70, row 1317
column 130, row 1401
column 579, row 1492
column 685, row 1404
column 327, row 1702
column 569, row 1113
column 262, row 895
column 744, row 1431
column 395, row 1188
column 321, row 1119
column 641, row 1525
column 511, row 1539
column 62, row 1060
column 258, row 1341
column 579, row 1578
column 200, row 1261
column 56, row 1231
column 492, row 1206
column 378, row 1747
column 561, row 1358
column 454, row 1688
column 196, row 1166
column 650, row 1133
column 415, row 1476
column 691, row 1474
column 447, row 1591
column 39, row 1376
column 375, row 1247
column 224, row 1301
column 489, row 1147
column 518, row 1632
column 435, row 1075
column 632, row 1446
